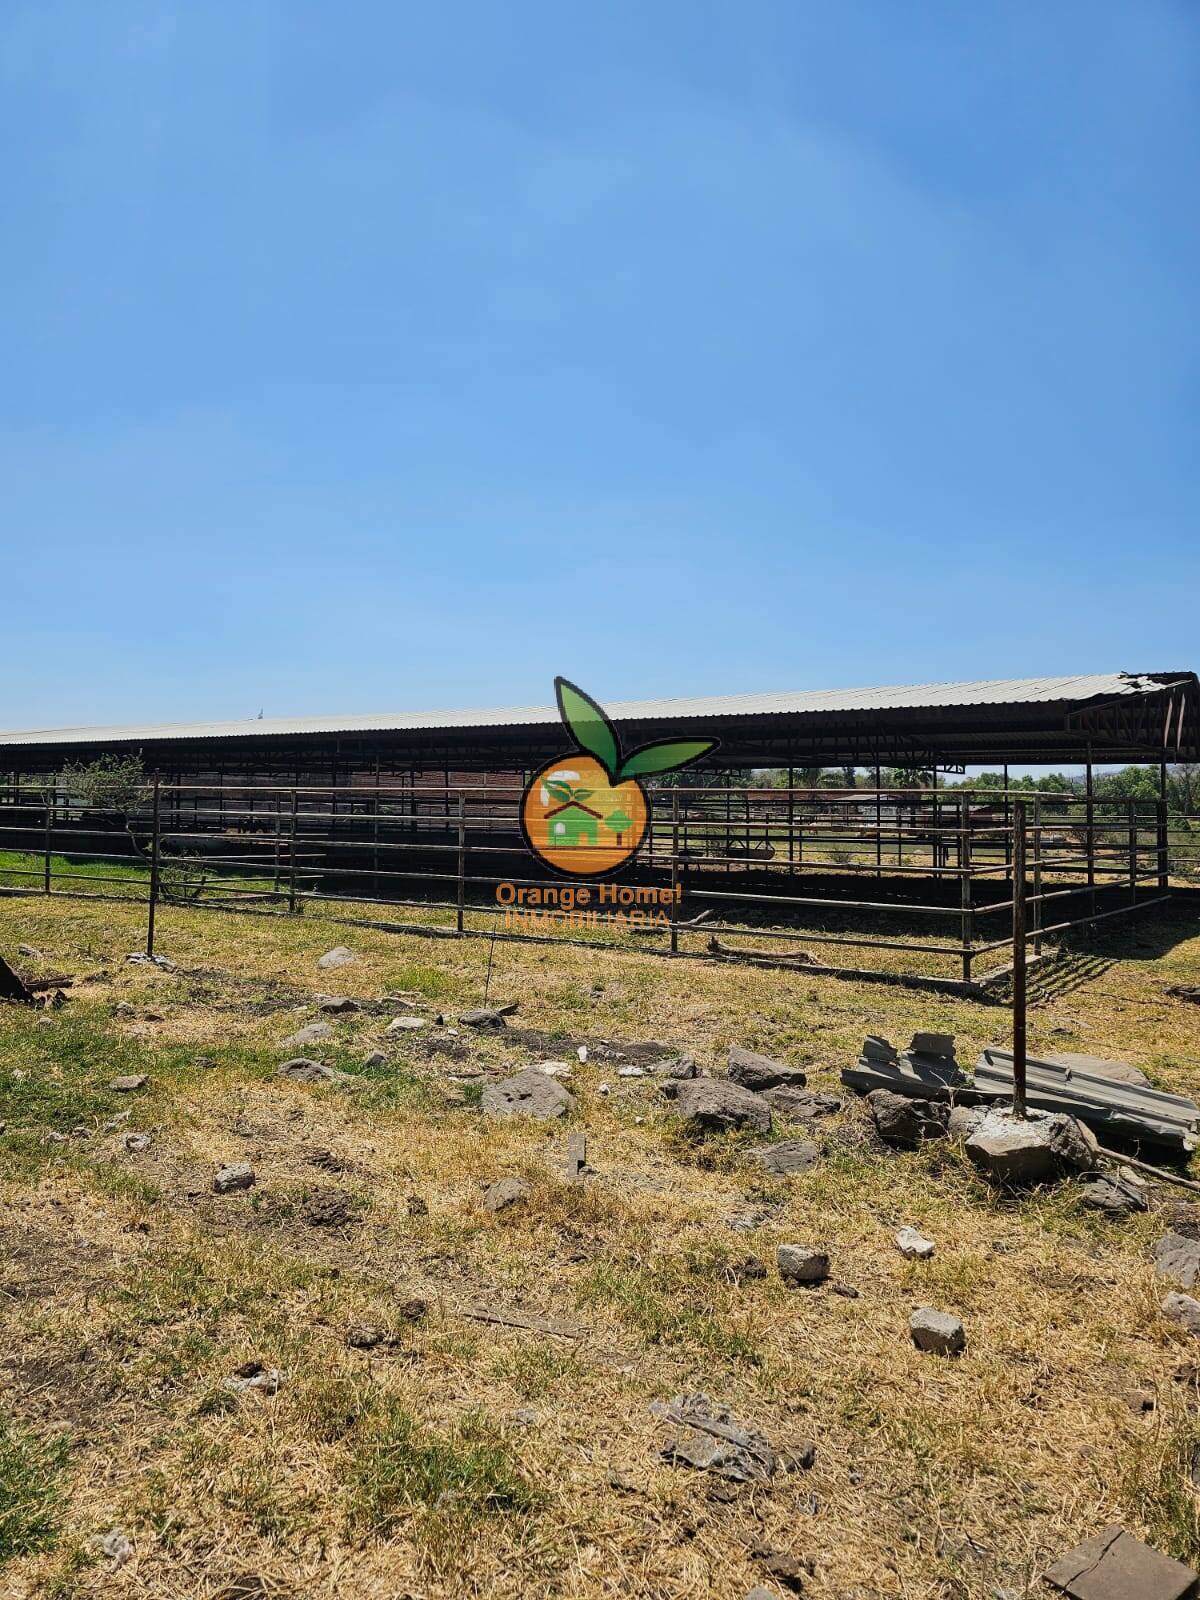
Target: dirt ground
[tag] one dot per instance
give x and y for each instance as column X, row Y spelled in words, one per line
column 452, row 1401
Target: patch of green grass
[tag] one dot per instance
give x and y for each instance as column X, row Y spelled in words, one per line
column 1156, row 1486
column 31, row 1493
column 398, row 1467
column 661, row 1313
column 536, row 1370
column 432, row 982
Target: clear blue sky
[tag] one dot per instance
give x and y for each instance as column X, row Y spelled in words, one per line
column 401, row 355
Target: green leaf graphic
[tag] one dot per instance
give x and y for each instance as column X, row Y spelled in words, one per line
column 560, row 790
column 665, row 756
column 588, row 726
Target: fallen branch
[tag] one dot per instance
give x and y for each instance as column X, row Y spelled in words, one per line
column 804, row 958
column 1144, row 1166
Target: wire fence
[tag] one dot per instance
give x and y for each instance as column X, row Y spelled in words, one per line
column 904, row 885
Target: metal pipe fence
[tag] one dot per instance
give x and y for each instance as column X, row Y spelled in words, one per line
column 926, row 879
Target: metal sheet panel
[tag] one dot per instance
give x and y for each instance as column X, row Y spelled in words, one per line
column 989, row 692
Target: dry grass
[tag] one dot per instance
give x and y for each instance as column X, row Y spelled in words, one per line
column 129, row 1292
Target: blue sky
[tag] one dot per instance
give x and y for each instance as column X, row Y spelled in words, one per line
column 394, row 356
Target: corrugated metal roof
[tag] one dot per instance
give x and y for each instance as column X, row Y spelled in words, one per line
column 991, row 691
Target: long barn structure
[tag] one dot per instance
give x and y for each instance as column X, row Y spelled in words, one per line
column 421, row 810
column 1107, row 718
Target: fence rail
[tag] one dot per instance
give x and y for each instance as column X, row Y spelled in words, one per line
column 925, row 878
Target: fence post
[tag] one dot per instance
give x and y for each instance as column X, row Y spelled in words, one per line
column 1037, row 876
column 462, row 860
column 292, row 858
column 674, row 872
column 964, row 864
column 1018, row 960
column 153, row 902
column 1133, row 853
column 46, row 852
column 1164, row 862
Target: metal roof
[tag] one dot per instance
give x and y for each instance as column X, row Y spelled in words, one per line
column 988, row 692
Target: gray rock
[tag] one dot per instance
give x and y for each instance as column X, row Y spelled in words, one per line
column 135, row 1143
column 339, row 956
column 937, row 1331
column 238, row 1175
column 963, row 1120
column 801, row 1105
column 253, row 1375
column 301, row 1070
column 483, row 1017
column 1178, row 1259
column 759, row 1593
column 1112, row 1196
column 119, row 1121
column 374, row 1060
column 914, row 1245
column 406, row 1024
column 903, row 1121
column 757, row 1072
column 1181, row 1308
column 337, row 1005
column 674, row 1068
column 131, row 1081
column 312, row 1034
column 1039, row 1149
column 1113, row 1565
column 787, row 1157
column 798, row 1264
column 713, row 1105
column 28, row 950
column 529, row 1094
column 709, row 1439
column 115, row 1546
column 506, row 1192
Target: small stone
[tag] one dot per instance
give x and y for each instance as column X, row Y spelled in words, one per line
column 1113, row 1565
column 914, row 1245
column 603, row 1088
column 312, row 1034
column 674, row 1069
column 412, row 1310
column 339, row 956
column 529, row 1094
column 1112, row 1196
column 759, row 1593
column 301, row 1070
column 714, row 1105
column 114, row 1546
column 581, row 1053
column 337, row 1005
column 903, row 1121
column 631, row 1072
column 710, row 1440
column 1182, row 1309
column 786, row 1158
column 482, row 1017
column 801, row 1105
column 128, row 1083
column 253, row 1375
column 238, row 1175
column 554, row 1069
column 506, row 1192
column 757, row 1072
column 135, row 1143
column 405, row 1024
column 1177, row 1258
column 937, row 1331
column 524, row 1416
column 374, row 1061
column 798, row 1264
column 119, row 1121
column 417, row 1207
column 365, row 1336
column 28, row 950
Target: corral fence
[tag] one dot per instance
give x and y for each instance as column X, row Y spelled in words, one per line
column 903, row 885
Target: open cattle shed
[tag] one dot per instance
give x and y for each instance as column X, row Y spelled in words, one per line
column 1108, row 718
